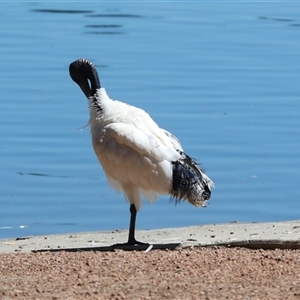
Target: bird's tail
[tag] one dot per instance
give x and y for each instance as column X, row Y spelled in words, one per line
column 190, row 182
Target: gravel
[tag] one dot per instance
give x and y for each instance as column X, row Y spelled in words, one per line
column 190, row 273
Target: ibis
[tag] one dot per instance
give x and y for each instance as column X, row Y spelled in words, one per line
column 138, row 157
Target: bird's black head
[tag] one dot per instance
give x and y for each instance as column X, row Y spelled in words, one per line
column 83, row 72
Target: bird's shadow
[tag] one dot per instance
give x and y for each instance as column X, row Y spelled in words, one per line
column 114, row 248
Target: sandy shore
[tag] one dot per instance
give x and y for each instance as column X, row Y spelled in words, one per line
column 192, row 271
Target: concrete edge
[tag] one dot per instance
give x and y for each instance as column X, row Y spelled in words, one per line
column 271, row 235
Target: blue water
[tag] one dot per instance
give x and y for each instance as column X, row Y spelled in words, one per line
column 223, row 77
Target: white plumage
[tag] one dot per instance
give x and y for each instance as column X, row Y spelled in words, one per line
column 134, row 152
column 137, row 156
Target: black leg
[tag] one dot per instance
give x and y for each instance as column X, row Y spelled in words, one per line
column 131, row 239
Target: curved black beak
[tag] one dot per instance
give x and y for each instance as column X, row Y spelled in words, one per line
column 83, row 72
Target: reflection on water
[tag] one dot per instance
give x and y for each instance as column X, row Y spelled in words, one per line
column 105, row 32
column 39, row 174
column 63, row 11
column 225, row 83
column 104, row 26
column 115, row 16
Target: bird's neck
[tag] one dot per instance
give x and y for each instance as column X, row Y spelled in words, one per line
column 97, row 103
column 98, row 106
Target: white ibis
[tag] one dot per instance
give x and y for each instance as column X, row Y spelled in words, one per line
column 138, row 157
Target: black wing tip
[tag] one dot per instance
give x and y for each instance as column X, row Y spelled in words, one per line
column 188, row 183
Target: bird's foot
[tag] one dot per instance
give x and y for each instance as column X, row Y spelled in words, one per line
column 131, row 244
column 134, row 242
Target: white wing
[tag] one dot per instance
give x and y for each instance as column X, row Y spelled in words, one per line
column 146, row 143
column 174, row 140
column 132, row 158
